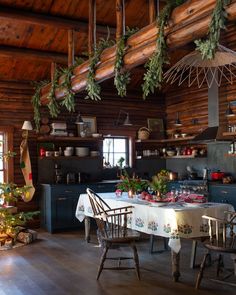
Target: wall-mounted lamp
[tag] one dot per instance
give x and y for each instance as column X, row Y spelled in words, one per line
column 26, row 127
column 177, row 122
column 123, row 121
column 229, row 112
column 79, row 120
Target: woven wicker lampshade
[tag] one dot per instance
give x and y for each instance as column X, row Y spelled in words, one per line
column 193, row 69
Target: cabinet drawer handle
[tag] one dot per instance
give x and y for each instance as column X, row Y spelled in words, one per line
column 68, row 191
column 224, row 192
column 62, row 199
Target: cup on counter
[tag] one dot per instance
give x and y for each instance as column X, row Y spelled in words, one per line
column 56, row 153
column 48, row 153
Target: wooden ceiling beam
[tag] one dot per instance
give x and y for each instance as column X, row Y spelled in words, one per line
column 47, row 56
column 19, row 15
column 188, row 22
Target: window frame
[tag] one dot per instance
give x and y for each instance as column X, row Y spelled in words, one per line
column 8, row 166
column 127, row 147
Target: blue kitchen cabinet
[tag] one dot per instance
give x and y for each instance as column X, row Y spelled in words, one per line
column 58, row 204
column 223, row 193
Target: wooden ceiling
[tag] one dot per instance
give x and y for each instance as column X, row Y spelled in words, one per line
column 33, row 33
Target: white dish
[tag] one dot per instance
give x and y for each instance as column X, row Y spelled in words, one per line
column 158, row 204
column 193, row 204
column 82, row 151
column 96, row 135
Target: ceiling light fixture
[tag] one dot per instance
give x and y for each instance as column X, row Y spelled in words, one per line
column 79, row 120
column 177, row 122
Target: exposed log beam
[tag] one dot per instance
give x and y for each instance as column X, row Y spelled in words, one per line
column 92, row 26
column 71, row 48
column 40, row 19
column 152, row 11
column 180, row 31
column 16, row 52
column 23, row 85
column 120, row 19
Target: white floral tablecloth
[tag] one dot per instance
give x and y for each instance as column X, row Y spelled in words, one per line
column 171, row 220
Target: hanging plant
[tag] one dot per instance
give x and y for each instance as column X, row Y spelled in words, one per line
column 53, row 105
column 122, row 78
column 36, row 102
column 69, row 97
column 93, row 88
column 208, row 46
column 154, row 75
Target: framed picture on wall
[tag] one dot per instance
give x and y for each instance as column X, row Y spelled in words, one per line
column 156, row 126
column 89, row 127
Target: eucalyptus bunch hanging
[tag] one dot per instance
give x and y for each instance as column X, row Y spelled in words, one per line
column 122, row 77
column 93, row 88
column 154, row 75
column 53, row 105
column 69, row 96
column 36, row 102
column 208, row 46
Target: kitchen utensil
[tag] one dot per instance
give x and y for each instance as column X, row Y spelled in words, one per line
column 70, row 177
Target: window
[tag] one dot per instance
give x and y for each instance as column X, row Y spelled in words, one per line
column 115, row 148
column 6, row 144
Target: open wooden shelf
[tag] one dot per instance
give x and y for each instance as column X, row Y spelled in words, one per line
column 67, row 138
column 229, row 134
column 187, row 138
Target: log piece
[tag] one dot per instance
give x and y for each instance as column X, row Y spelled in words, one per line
column 179, row 32
column 120, row 19
column 92, row 26
column 71, row 48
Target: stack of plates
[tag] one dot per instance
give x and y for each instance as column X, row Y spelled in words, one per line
column 82, row 151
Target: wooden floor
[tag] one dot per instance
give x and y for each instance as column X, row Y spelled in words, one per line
column 64, row 263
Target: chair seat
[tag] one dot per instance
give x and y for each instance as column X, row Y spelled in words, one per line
column 220, row 249
column 131, row 235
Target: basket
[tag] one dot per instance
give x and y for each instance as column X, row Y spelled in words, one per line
column 143, row 133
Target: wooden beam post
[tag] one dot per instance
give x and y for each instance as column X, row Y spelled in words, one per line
column 152, row 11
column 71, row 48
column 120, row 19
column 53, row 69
column 92, row 26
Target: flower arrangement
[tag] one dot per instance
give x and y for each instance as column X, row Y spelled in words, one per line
column 159, row 183
column 131, row 184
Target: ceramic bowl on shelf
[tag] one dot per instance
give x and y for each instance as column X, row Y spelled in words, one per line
column 170, row 153
column 68, row 153
column 183, row 134
column 82, row 151
column 96, row 135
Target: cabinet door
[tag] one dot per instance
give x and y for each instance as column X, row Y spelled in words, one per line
column 223, row 194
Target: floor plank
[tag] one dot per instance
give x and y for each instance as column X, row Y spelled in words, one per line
column 64, row 264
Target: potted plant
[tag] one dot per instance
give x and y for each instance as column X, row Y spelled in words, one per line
column 159, row 183
column 132, row 185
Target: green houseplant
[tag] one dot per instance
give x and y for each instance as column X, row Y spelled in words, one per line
column 132, row 185
column 159, row 183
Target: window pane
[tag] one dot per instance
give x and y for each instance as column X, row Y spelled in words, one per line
column 1, row 163
column 119, row 145
column 117, row 156
column 1, row 176
column 108, row 145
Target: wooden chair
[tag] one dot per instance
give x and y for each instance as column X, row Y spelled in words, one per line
column 112, row 226
column 222, row 233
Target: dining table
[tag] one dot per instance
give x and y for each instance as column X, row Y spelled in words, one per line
column 172, row 220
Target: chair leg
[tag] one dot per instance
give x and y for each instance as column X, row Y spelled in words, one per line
column 220, row 265
column 103, row 258
column 202, row 267
column 136, row 260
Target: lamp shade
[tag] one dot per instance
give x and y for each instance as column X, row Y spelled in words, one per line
column 27, row 126
column 79, row 120
column 127, row 121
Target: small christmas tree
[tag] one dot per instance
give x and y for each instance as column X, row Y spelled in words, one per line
column 10, row 220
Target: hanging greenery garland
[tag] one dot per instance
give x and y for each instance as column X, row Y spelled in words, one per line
column 36, row 102
column 122, row 78
column 53, row 105
column 208, row 46
column 69, row 97
column 154, row 75
column 93, row 88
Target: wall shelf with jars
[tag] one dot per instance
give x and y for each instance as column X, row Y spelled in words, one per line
column 167, row 149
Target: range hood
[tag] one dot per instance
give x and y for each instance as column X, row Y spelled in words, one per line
column 213, row 132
